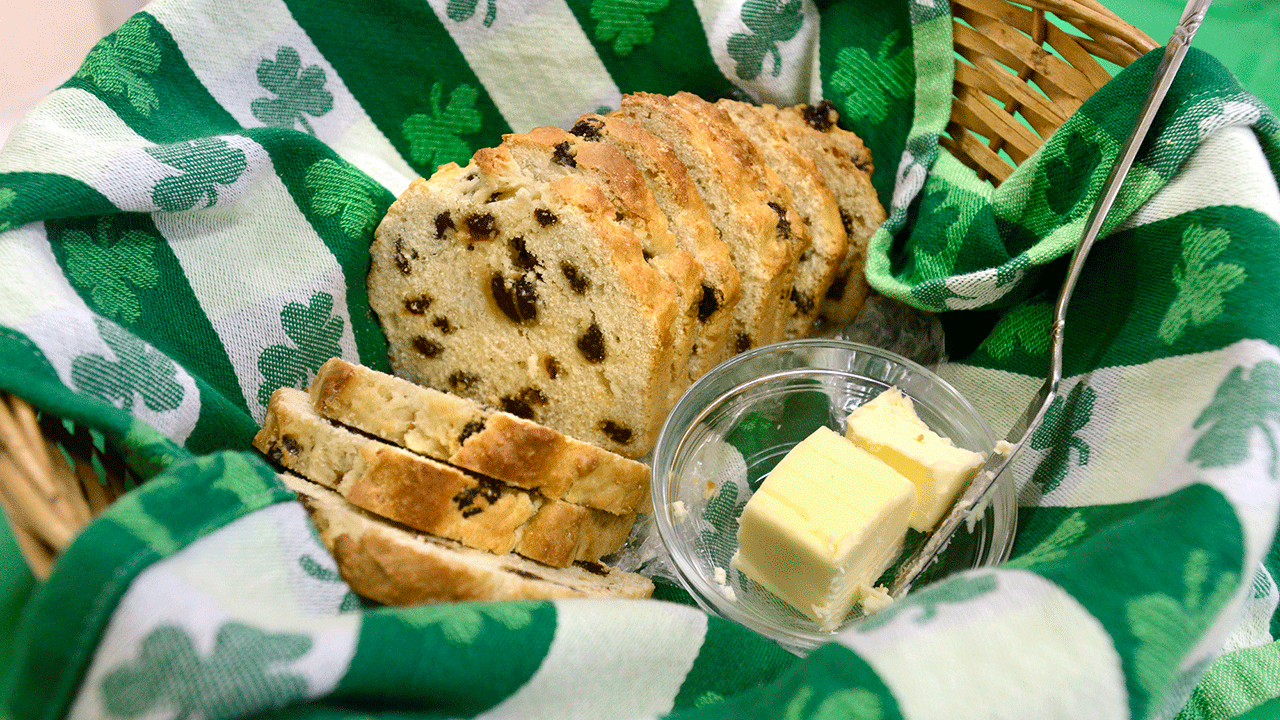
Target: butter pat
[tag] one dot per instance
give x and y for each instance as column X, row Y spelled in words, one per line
column 824, row 525
column 889, row 428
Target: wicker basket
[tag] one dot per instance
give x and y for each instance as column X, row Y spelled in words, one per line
column 1018, row 76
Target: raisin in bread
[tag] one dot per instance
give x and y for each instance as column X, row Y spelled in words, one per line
column 430, row 496
column 814, row 202
column 687, row 218
column 546, row 154
column 845, row 163
column 529, row 297
column 392, row 564
column 490, row 442
column 754, row 222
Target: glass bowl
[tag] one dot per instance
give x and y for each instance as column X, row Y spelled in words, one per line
column 736, row 422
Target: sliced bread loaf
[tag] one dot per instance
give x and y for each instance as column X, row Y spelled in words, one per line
column 687, row 218
column 754, row 218
column 395, row 565
column 845, row 163
column 465, row 433
column 813, row 200
column 527, row 296
column 426, row 495
column 547, row 154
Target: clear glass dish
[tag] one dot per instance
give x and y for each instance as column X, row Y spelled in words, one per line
column 735, row 423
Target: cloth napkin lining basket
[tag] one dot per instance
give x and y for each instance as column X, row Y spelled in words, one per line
column 1018, row 76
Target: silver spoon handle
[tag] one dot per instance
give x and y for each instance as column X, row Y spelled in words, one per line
column 974, row 498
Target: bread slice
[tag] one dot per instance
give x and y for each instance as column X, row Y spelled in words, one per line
column 846, row 165
column 395, row 565
column 753, row 217
column 529, row 297
column 490, row 442
column 426, row 495
column 687, row 218
column 547, row 154
column 814, row 202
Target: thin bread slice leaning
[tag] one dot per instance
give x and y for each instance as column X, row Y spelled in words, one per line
column 462, row 432
column 815, row 203
column 846, row 165
column 431, row 496
column 395, row 565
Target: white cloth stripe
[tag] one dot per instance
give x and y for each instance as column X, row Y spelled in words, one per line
column 610, row 659
column 229, row 72
column 552, row 87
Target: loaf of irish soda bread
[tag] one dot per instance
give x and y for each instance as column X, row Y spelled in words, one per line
column 528, row 296
column 816, row 205
column 845, row 164
column 687, row 218
column 426, row 495
column 394, row 565
column 490, row 442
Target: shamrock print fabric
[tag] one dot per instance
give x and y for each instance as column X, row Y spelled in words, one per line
column 184, row 227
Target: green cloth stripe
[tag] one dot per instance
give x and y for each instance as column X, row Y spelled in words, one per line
column 867, row 71
column 1235, row 683
column 1206, row 282
column 27, row 197
column 732, row 660
column 344, row 205
column 652, row 46
column 1156, row 581
column 139, row 72
column 430, row 105
column 831, row 682
column 192, row 499
column 121, row 265
column 462, row 658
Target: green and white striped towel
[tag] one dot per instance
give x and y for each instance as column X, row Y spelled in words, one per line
column 184, row 227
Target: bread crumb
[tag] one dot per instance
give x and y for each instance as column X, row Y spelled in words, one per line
column 720, row 576
column 680, row 512
column 708, row 490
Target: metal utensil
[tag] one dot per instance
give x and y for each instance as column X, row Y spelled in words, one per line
column 975, row 497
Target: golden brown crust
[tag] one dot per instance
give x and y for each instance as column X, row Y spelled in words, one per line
column 427, row 495
column 392, row 565
column 493, row 443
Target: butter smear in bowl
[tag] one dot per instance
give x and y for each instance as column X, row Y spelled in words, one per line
column 790, row 480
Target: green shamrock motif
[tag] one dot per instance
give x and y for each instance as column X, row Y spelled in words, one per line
column 1023, row 329
column 625, row 22
column 434, row 139
column 708, row 698
column 205, row 163
column 240, row 674
column 1201, row 285
column 953, row 591
column 461, row 623
column 770, row 22
column 1239, row 407
column 324, row 574
column 936, row 256
column 113, row 268
column 315, row 331
column 1055, row 546
column 848, row 704
column 1069, row 173
column 890, row 73
column 339, row 189
column 140, row 369
column 1057, row 434
column 119, row 63
column 463, row 10
column 7, row 197
column 1166, row 627
column 298, row 91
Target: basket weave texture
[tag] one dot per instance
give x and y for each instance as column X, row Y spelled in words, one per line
column 1020, row 70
